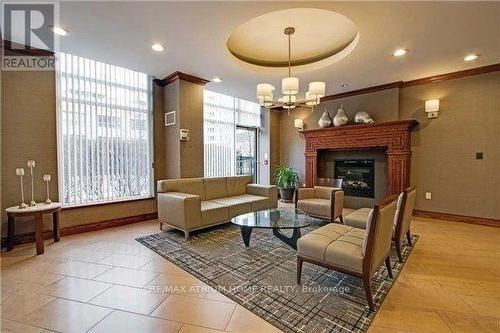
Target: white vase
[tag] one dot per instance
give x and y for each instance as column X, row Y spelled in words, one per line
column 325, row 120
column 340, row 118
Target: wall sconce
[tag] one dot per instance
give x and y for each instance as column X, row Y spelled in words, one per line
column 299, row 123
column 432, row 108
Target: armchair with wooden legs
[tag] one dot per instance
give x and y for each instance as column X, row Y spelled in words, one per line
column 321, row 201
column 402, row 219
column 351, row 250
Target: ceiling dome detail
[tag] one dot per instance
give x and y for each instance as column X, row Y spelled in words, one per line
column 319, row 34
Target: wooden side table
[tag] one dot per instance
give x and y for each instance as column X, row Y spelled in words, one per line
column 37, row 213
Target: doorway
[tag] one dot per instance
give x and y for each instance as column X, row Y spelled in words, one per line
column 246, row 151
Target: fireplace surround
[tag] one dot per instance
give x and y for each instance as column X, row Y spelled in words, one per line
column 393, row 137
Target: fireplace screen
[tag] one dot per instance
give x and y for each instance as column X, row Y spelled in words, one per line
column 358, row 177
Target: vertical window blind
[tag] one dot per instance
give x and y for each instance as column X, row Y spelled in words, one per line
column 222, row 114
column 104, row 132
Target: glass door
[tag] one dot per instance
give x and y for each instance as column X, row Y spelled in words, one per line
column 246, row 151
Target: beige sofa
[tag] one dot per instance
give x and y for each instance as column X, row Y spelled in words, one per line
column 195, row 203
column 321, row 201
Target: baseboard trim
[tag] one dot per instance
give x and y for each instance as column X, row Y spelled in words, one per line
column 457, row 218
column 47, row 234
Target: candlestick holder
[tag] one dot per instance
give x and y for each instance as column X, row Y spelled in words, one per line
column 31, row 165
column 20, row 173
column 46, row 178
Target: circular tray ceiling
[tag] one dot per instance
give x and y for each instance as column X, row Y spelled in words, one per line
column 319, row 34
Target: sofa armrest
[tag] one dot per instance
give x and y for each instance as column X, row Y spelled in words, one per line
column 181, row 210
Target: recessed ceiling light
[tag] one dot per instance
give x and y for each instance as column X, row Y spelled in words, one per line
column 217, row 79
column 399, row 52
column 59, row 31
column 343, row 85
column 157, row 47
column 471, row 57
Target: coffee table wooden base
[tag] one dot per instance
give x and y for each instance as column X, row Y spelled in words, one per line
column 246, row 232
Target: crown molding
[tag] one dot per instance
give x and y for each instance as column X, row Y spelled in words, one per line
column 180, row 76
column 425, row 80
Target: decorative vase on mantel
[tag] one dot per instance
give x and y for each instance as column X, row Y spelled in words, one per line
column 340, row 118
column 325, row 120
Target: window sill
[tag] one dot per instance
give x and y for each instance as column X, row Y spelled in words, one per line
column 105, row 203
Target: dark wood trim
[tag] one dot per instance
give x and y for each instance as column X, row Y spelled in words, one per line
column 23, row 49
column 47, row 234
column 452, row 75
column 106, row 203
column 362, row 91
column 180, row 76
column 457, row 218
column 424, row 80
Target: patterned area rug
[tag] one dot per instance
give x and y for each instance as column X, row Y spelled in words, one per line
column 262, row 278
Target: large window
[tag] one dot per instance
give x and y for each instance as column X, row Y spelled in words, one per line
column 222, row 142
column 105, row 132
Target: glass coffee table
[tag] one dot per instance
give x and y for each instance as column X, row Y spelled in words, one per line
column 276, row 219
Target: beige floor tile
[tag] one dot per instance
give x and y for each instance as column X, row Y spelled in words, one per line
column 127, row 277
column 84, row 254
column 465, row 323
column 195, row 311
column 198, row 329
column 127, row 261
column 20, row 303
column 76, row 289
column 245, row 321
column 78, row 269
column 214, row 295
column 130, row 299
column 179, row 285
column 9, row 326
column 162, row 265
column 67, row 316
column 125, row 322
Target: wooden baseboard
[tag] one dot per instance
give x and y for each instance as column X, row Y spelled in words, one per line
column 30, row 236
column 457, row 218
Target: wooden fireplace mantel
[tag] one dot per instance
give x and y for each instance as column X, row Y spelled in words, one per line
column 392, row 136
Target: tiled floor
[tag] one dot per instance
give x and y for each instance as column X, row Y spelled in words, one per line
column 102, row 282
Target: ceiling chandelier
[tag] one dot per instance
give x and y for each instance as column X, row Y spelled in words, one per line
column 290, row 88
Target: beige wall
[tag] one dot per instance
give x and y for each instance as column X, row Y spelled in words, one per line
column 444, row 149
column 191, row 118
column 443, row 159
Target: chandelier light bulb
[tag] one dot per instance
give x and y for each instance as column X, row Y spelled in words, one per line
column 290, row 85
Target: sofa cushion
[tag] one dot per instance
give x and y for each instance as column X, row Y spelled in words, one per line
column 358, row 218
column 237, row 185
column 316, row 207
column 257, row 202
column 236, row 205
column 334, row 244
column 323, row 192
column 213, row 213
column 215, row 188
column 185, row 185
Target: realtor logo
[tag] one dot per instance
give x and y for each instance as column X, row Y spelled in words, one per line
column 29, row 42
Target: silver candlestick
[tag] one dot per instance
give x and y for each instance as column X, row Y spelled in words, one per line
column 20, row 173
column 31, row 165
column 46, row 178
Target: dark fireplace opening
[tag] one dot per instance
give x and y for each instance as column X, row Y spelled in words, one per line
column 358, row 177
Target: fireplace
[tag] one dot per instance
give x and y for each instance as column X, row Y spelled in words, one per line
column 358, row 177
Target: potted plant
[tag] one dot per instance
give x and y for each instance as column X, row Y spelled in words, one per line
column 287, row 180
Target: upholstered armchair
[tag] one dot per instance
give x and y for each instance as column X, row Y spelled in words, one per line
column 350, row 250
column 321, row 201
column 402, row 219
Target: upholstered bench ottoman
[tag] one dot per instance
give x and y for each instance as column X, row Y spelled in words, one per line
column 358, row 218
